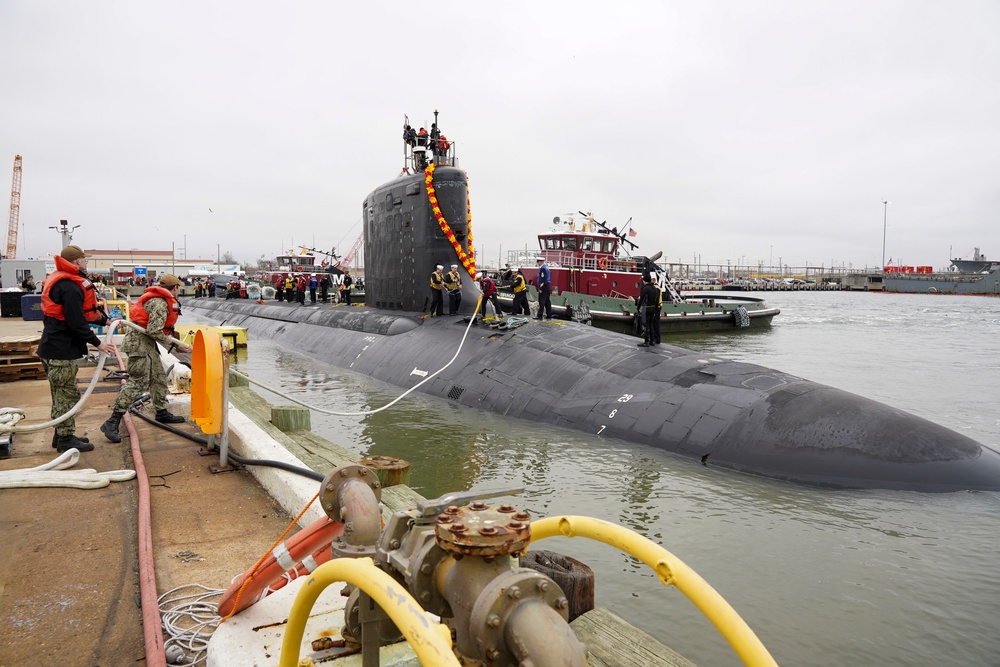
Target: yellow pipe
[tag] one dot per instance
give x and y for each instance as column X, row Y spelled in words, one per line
column 671, row 570
column 430, row 641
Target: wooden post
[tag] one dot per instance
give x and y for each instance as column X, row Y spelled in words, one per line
column 238, row 381
column 575, row 578
column 390, row 470
column 287, row 418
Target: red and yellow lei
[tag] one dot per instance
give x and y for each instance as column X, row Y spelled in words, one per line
column 468, row 261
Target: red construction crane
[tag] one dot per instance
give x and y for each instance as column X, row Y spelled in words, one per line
column 15, row 210
column 349, row 257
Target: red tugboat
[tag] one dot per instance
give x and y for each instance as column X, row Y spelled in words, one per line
column 596, row 279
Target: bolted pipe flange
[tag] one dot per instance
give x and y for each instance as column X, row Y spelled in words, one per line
column 480, row 530
column 420, row 578
column 497, row 602
column 329, row 492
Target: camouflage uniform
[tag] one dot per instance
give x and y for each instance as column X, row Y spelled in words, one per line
column 144, row 368
column 61, row 374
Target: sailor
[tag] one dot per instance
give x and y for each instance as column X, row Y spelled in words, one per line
column 435, row 139
column 453, row 283
column 520, row 293
column 289, row 288
column 346, row 286
column 157, row 311
column 437, row 284
column 422, row 137
column 279, row 287
column 489, row 290
column 324, row 288
column 69, row 304
column 650, row 300
column 300, row 290
column 544, row 284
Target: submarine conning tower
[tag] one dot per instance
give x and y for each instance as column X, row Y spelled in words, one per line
column 403, row 239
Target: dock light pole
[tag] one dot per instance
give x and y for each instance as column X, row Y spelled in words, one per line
column 885, row 213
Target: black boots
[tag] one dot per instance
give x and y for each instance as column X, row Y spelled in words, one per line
column 164, row 417
column 64, row 442
column 110, row 427
column 55, row 440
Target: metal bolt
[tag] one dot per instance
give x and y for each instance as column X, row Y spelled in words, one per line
column 426, row 568
column 375, row 484
column 506, row 509
column 331, row 487
column 363, row 472
column 543, row 586
column 394, row 544
column 478, row 505
column 443, row 518
column 522, row 516
column 562, row 603
column 515, row 525
column 343, row 472
column 488, row 530
column 514, row 592
column 458, row 528
column 493, row 621
column 452, row 509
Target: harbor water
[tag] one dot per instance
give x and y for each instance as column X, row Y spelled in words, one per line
column 824, row 577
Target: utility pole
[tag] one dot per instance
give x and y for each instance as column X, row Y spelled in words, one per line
column 885, row 213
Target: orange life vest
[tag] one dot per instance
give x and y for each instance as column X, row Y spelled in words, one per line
column 66, row 270
column 139, row 315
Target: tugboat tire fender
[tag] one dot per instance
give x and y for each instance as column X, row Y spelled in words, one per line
column 300, row 554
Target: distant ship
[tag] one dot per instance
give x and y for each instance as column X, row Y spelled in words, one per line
column 978, row 263
column 972, row 284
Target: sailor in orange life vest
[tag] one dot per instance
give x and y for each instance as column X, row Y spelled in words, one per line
column 69, row 304
column 157, row 311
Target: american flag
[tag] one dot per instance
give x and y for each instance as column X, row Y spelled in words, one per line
column 632, row 233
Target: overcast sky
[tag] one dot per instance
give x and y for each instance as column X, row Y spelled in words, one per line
column 727, row 131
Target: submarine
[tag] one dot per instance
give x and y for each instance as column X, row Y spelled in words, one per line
column 735, row 415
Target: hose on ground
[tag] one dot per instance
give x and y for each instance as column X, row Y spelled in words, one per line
column 236, row 458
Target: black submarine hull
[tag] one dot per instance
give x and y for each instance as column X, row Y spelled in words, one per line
column 735, row 415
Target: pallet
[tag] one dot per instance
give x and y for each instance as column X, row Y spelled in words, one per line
column 15, row 372
column 18, row 360
column 20, row 344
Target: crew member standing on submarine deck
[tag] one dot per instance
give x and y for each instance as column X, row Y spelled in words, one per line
column 453, row 282
column 544, row 285
column 520, row 293
column 437, row 284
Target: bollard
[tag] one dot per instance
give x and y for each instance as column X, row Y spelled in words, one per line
column 391, row 471
column 288, row 418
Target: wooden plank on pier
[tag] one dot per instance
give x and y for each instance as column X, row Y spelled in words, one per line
column 612, row 642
